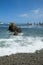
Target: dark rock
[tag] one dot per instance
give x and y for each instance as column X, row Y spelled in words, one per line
column 13, row 28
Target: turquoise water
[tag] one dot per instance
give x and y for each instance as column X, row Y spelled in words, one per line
column 29, row 40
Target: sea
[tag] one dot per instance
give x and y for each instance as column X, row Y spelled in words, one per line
column 28, row 41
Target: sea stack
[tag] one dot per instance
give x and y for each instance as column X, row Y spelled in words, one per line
column 14, row 28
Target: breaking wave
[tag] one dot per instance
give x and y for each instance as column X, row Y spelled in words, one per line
column 20, row 44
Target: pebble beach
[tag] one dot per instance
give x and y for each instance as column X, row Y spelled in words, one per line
column 23, row 59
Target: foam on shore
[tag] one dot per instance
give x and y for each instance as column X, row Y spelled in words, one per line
column 20, row 44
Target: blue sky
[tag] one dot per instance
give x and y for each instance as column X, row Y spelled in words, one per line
column 21, row 11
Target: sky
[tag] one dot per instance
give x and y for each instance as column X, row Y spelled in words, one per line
column 21, row 11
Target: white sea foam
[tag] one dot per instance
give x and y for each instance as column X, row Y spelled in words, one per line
column 20, row 44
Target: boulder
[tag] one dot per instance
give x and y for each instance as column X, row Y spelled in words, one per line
column 14, row 28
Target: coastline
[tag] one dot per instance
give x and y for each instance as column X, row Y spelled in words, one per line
column 23, row 58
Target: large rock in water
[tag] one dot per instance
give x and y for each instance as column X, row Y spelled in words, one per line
column 13, row 28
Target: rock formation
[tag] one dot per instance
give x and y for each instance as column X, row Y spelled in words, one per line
column 14, row 28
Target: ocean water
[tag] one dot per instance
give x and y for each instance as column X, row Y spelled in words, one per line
column 28, row 41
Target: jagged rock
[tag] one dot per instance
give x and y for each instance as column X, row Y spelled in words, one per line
column 13, row 28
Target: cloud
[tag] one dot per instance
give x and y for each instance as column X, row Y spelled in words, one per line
column 36, row 11
column 24, row 15
column 34, row 15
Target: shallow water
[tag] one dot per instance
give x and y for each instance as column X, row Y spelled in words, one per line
column 30, row 40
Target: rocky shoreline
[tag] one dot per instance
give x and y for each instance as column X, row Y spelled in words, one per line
column 23, row 59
